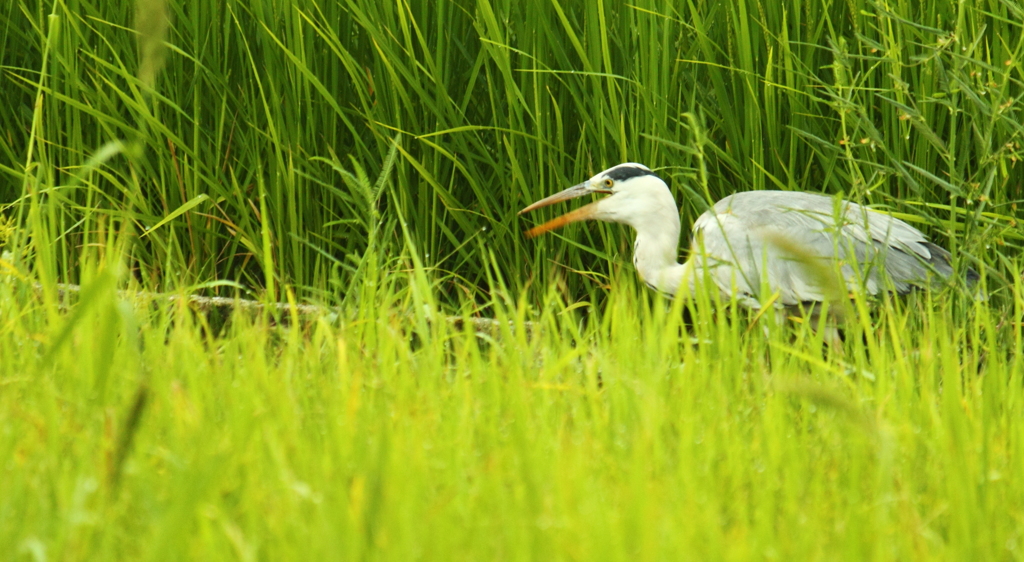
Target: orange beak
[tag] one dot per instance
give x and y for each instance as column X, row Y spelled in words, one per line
column 581, row 214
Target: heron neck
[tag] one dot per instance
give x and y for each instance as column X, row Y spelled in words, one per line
column 654, row 256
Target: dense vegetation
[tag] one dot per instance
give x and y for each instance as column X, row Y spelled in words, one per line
column 372, row 155
column 266, row 115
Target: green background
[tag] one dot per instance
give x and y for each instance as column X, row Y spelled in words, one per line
column 269, row 111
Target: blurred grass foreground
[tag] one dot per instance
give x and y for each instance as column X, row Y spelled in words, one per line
column 369, row 157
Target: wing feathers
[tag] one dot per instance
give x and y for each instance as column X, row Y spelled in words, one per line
column 795, row 242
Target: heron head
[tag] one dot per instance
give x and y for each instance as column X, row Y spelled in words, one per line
column 636, row 195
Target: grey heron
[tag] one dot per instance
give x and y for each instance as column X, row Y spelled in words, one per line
column 777, row 238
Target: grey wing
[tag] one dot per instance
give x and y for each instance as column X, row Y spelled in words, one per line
column 792, row 243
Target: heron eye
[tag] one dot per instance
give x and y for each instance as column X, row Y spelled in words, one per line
column 609, row 182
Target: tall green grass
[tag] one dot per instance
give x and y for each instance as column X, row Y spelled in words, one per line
column 145, row 433
column 264, row 109
column 372, row 156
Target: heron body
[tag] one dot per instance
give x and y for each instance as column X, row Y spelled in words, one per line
column 789, row 242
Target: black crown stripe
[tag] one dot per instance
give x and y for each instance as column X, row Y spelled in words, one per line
column 622, row 173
